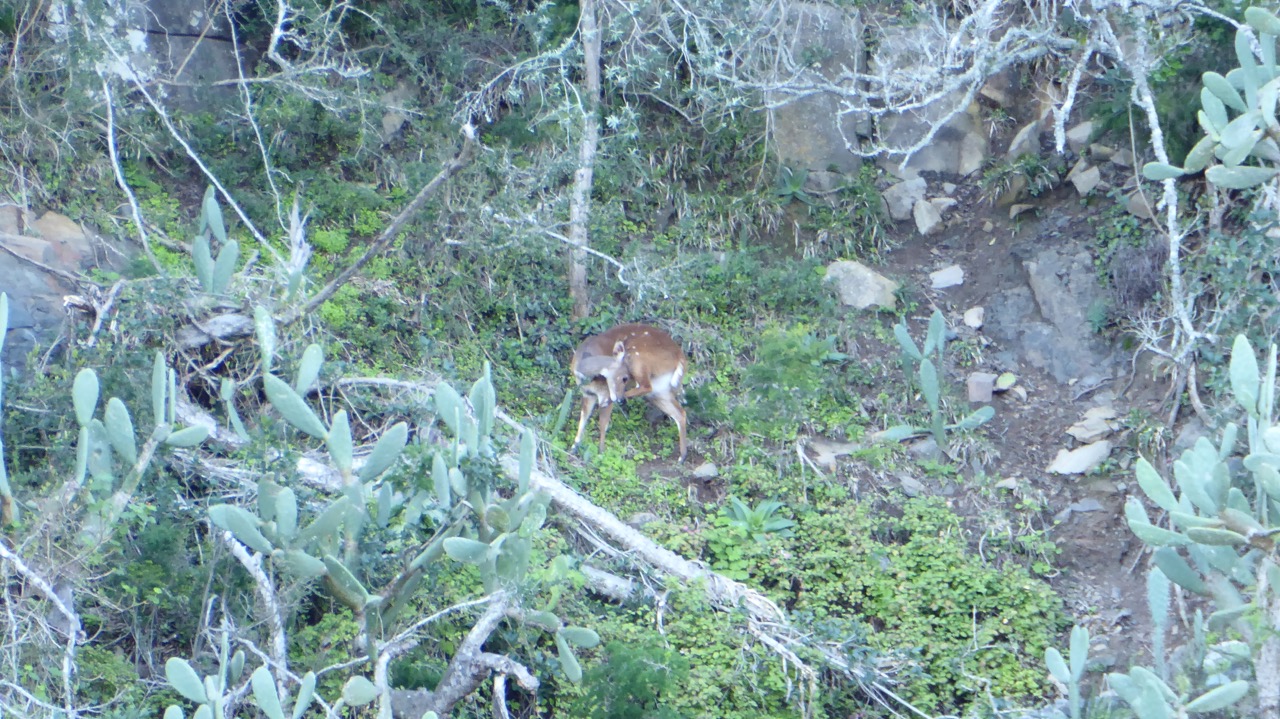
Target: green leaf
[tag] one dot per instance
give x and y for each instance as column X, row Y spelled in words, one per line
column 353, row 592
column 1154, row 486
column 440, row 477
column 1158, row 171
column 159, row 375
column 929, row 383
column 286, row 513
column 187, row 437
column 543, row 620
column 237, row 666
column 1005, row 381
column 1057, row 666
column 203, row 259
column 225, row 267
column 1215, row 537
column 308, row 369
column 1244, row 375
column 1239, row 132
column 202, row 712
column 1219, row 86
column 292, row 407
column 327, row 524
column 359, row 691
column 213, row 215
column 338, row 440
column 306, row 692
column 936, row 335
column 449, row 406
column 241, row 524
column 1239, row 178
column 265, row 326
column 568, row 661
column 898, row 433
column 120, row 431
column 1227, row 694
column 264, row 690
column 907, row 344
column 1079, row 651
column 1263, row 21
column 388, row 449
column 84, row 395
column 976, row 419
column 1222, row 619
column 528, row 446
column 184, row 680
column 580, row 637
column 1214, row 110
column 1199, row 156
column 173, row 712
column 462, row 549
column 385, row 499
column 302, row 565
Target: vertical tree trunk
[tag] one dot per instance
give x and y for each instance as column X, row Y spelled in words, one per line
column 580, row 201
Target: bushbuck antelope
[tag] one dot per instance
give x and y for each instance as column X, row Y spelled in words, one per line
column 640, row 355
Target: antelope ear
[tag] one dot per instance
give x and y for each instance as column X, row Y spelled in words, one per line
column 619, row 347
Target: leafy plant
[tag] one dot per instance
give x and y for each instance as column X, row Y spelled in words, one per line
column 758, row 522
column 1252, row 133
column 790, row 186
column 928, row 381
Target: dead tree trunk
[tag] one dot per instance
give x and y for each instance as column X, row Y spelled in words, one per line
column 580, row 201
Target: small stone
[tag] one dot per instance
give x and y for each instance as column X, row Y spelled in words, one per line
column 949, row 188
column 1096, row 424
column 639, row 519
column 1123, row 158
column 1017, row 190
column 974, row 316
column 1138, row 206
column 1078, row 136
column 1086, row 181
column 1016, row 210
column 911, row 486
column 1081, row 459
column 928, row 219
column 707, row 470
column 1010, row 483
column 947, row 277
column 981, row 385
column 926, row 448
column 1101, row 153
column 988, row 226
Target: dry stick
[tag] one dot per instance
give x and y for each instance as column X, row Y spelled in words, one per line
column 450, row 168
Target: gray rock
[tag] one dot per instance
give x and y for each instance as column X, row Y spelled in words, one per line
column 1087, row 180
column 943, row 203
column 981, row 386
column 947, row 277
column 707, row 470
column 1123, row 158
column 805, row 132
column 1018, row 209
column 1025, row 142
column 1078, row 136
column 1101, row 153
column 859, row 286
column 1081, row 459
column 1138, row 205
column 928, row 219
column 911, row 486
column 960, row 147
column 902, row 197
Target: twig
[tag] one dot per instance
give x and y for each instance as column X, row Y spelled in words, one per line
column 116, row 170
column 389, row 234
column 267, row 594
column 73, row 629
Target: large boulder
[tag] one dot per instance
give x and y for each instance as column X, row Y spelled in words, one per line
column 810, row 133
column 960, row 147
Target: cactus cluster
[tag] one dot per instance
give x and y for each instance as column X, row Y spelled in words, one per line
column 1251, row 91
column 214, row 275
column 924, row 375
